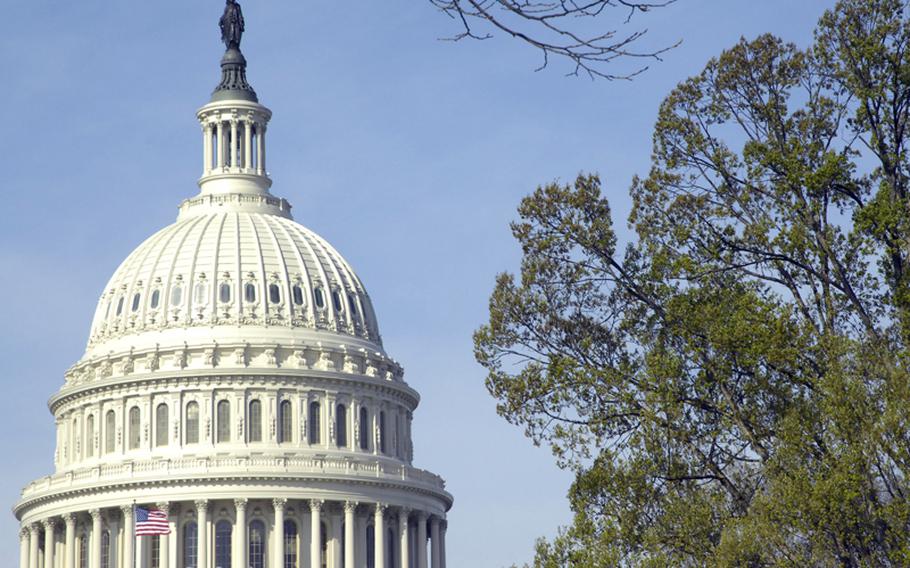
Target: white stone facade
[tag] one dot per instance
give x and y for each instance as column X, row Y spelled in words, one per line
column 235, row 377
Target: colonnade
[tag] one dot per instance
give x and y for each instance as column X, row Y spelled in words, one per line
column 237, row 144
column 260, row 534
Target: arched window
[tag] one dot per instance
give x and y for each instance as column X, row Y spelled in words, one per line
column 223, row 544
column 137, row 298
column 382, row 431
column 161, row 418
column 134, row 428
column 106, row 549
column 257, row 544
column 371, row 547
column 74, row 439
column 224, row 293
column 285, row 421
column 224, row 421
column 190, row 545
column 255, row 421
column 192, row 423
column 341, row 425
column 297, row 292
column 83, row 551
column 290, row 544
column 110, row 431
column 364, row 429
column 156, row 299
column 90, row 436
column 315, row 436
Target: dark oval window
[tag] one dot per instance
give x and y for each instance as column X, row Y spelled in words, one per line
column 176, row 295
column 135, row 306
column 336, row 300
column 249, row 292
column 320, row 301
column 352, row 303
column 224, row 293
column 274, row 293
column 156, row 297
column 119, row 306
column 298, row 295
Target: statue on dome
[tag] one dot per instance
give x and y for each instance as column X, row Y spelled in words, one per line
column 231, row 24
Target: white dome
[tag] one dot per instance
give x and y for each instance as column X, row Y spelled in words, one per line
column 230, row 268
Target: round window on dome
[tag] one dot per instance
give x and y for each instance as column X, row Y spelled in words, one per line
column 298, row 295
column 177, row 295
column 156, row 299
column 320, row 300
column 224, row 293
column 336, row 301
column 274, row 294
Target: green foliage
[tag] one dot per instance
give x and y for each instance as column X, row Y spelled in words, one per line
column 732, row 388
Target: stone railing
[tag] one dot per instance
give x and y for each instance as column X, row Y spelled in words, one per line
column 157, row 469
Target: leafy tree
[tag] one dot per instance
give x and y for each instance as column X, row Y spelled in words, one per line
column 732, row 388
column 559, row 28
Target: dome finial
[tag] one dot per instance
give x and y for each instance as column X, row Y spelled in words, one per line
column 233, row 83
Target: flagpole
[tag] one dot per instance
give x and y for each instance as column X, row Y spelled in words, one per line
column 135, row 546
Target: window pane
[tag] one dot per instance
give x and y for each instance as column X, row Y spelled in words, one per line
column 336, row 300
column 156, row 297
column 119, row 306
column 255, row 421
column 110, row 431
column 364, row 429
column 177, row 295
column 315, row 436
column 382, row 432
column 224, row 421
column 192, row 423
column 190, row 545
column 290, row 544
column 134, row 427
column 90, row 436
column 341, row 425
column 257, row 544
column 274, row 293
column 201, row 293
column 105, row 549
column 249, row 292
column 224, row 293
column 286, row 421
column 223, row 544
column 161, row 418
column 352, row 303
column 320, row 301
column 136, row 301
column 298, row 295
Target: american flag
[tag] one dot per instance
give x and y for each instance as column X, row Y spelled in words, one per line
column 151, row 522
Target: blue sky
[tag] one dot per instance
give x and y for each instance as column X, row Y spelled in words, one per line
column 407, row 153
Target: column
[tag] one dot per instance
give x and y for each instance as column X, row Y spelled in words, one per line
column 443, row 527
column 129, row 520
column 202, row 533
column 49, row 525
column 316, row 533
column 233, row 143
column 206, row 149
column 95, row 541
column 69, row 553
column 379, row 536
column 434, row 538
column 248, row 144
column 261, row 149
column 403, row 537
column 220, row 144
column 33, row 546
column 164, row 548
column 349, row 508
column 278, row 554
column 239, row 559
column 23, row 547
column 421, row 539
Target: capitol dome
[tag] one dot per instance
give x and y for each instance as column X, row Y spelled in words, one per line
column 234, row 382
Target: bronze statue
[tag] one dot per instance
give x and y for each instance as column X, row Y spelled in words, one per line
column 231, row 24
